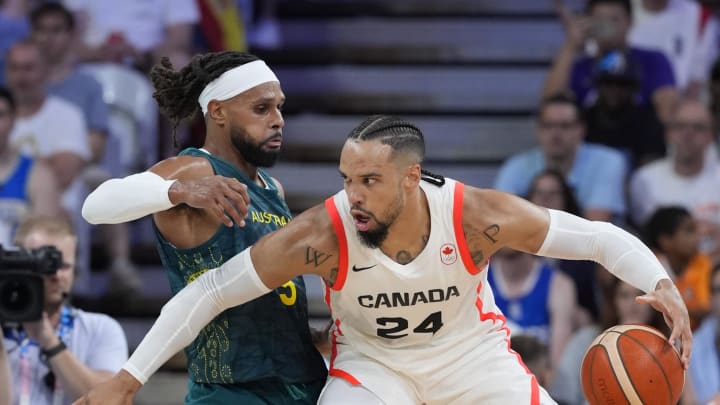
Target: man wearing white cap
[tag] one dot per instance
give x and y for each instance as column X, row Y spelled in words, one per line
column 211, row 203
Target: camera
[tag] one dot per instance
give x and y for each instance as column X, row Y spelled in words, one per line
column 22, row 290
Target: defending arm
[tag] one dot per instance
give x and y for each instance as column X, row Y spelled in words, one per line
column 575, row 238
column 122, row 200
column 235, row 282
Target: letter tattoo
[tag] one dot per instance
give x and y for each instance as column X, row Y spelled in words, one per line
column 490, row 232
column 315, row 257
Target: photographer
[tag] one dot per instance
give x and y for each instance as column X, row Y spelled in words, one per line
column 68, row 351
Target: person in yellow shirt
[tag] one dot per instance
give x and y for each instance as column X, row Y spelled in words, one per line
column 673, row 233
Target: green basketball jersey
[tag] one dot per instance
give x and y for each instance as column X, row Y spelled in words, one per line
column 267, row 337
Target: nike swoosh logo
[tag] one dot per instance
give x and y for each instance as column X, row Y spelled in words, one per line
column 356, row 268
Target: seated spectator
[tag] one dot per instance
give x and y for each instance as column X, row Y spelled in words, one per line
column 622, row 309
column 536, row 299
column 136, row 32
column 673, row 233
column 28, row 185
column 14, row 27
column 705, row 357
column 61, row 356
column 605, row 29
column 595, row 172
column 48, row 127
column 535, row 356
column 682, row 178
column 682, row 31
column 616, row 119
column 550, row 190
column 53, row 30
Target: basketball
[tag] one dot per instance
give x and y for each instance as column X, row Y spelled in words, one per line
column 632, row 364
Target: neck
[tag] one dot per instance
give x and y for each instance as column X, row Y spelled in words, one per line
column 53, row 312
column 60, row 69
column 221, row 147
column 411, row 227
column 29, row 106
column 689, row 167
column 563, row 164
column 678, row 264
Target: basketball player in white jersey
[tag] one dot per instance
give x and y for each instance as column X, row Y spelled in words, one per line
column 404, row 256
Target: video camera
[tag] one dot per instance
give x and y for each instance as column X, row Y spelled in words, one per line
column 22, row 289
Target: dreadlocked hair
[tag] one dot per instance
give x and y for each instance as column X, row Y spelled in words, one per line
column 177, row 91
column 401, row 135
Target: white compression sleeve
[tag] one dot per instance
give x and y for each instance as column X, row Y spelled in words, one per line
column 127, row 199
column 571, row 237
column 181, row 319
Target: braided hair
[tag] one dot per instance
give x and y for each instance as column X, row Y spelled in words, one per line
column 177, row 91
column 401, row 135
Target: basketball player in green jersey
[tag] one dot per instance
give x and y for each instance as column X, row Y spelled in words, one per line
column 211, row 203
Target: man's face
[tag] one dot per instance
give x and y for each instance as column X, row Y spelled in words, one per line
column 7, row 118
column 689, row 132
column 373, row 183
column 629, row 310
column 547, row 192
column 25, row 72
column 53, row 35
column 609, row 25
column 559, row 130
column 58, row 285
column 685, row 242
column 255, row 123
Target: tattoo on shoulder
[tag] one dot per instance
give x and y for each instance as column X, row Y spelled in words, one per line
column 478, row 257
column 333, row 277
column 403, row 257
column 315, row 257
column 490, row 232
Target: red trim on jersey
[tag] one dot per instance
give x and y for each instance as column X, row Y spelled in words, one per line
column 705, row 14
column 342, row 243
column 459, row 232
column 336, row 372
column 491, row 316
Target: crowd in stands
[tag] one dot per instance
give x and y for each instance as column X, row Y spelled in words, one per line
column 627, row 131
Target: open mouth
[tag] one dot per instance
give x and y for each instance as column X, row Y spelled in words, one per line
column 362, row 221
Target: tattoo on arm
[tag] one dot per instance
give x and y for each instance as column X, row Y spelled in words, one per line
column 315, row 257
column 490, row 232
column 403, row 257
column 478, row 257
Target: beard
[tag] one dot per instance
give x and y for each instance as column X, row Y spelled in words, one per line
column 373, row 238
column 253, row 153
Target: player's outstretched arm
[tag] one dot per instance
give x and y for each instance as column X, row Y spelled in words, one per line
column 179, row 180
column 516, row 223
column 306, row 245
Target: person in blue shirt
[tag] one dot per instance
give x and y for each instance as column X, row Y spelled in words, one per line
column 596, row 173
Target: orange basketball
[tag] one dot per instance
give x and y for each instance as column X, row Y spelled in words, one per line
column 632, row 364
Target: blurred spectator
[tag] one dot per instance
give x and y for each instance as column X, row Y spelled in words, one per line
column 605, row 29
column 536, row 299
column 13, row 27
column 48, row 126
column 616, row 119
column 673, row 233
column 137, row 32
column 67, row 351
column 550, row 190
column 28, row 186
column 596, row 173
column 621, row 309
column 682, row 31
column 53, row 30
column 682, row 178
column 535, row 356
column 705, row 357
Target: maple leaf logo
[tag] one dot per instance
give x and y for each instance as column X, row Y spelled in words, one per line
column 448, row 254
column 447, row 250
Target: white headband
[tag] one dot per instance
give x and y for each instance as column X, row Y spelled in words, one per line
column 236, row 81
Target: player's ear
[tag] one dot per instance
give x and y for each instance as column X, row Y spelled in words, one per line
column 216, row 112
column 413, row 175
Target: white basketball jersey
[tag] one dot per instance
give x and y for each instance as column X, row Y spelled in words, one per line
column 420, row 319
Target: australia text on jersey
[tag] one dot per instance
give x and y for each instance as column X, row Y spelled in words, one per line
column 268, row 217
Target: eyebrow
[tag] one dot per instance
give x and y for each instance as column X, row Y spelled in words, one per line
column 371, row 174
column 266, row 100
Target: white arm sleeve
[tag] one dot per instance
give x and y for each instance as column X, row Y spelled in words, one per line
column 233, row 283
column 575, row 238
column 127, row 199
